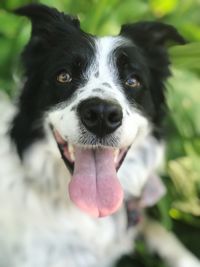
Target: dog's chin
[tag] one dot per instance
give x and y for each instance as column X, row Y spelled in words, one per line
column 94, row 186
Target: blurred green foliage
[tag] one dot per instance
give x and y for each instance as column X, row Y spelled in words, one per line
column 101, row 17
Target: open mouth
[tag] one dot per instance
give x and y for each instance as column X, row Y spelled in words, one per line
column 94, row 186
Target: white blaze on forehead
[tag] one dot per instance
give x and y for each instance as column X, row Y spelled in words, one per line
column 103, row 73
column 103, row 64
column 105, row 47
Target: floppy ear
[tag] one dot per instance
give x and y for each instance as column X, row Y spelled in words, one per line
column 46, row 22
column 152, row 34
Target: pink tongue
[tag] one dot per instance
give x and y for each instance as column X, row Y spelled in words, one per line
column 94, row 187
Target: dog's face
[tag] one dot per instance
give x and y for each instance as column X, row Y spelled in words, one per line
column 99, row 96
column 98, row 91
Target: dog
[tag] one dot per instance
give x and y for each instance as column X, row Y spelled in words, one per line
column 81, row 146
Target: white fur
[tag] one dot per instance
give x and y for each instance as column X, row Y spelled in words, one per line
column 140, row 160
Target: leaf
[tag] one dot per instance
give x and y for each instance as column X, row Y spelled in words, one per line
column 186, row 56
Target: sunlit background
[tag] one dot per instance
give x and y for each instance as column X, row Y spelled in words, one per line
column 180, row 209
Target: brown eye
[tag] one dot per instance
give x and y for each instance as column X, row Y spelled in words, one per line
column 133, row 82
column 64, row 77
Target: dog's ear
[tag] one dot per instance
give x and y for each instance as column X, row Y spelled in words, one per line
column 49, row 28
column 149, row 34
column 46, row 21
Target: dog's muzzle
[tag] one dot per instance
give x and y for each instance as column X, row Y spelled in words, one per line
column 94, row 185
column 100, row 117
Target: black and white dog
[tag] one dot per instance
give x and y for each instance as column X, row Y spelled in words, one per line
column 84, row 141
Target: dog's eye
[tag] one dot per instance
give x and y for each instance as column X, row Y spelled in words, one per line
column 64, row 77
column 133, row 82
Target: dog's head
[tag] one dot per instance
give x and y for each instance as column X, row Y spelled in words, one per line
column 99, row 96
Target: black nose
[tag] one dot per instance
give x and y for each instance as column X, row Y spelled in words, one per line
column 99, row 116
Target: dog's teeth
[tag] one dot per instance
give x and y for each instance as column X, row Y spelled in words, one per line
column 71, row 152
column 116, row 154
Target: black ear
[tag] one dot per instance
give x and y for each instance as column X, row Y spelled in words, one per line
column 152, row 33
column 47, row 21
column 49, row 28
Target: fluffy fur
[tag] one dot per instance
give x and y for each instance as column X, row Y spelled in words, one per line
column 39, row 224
